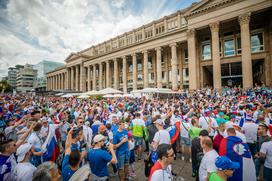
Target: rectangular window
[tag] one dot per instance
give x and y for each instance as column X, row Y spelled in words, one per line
column 140, row 77
column 170, row 75
column 257, row 44
column 186, row 56
column 206, row 51
column 172, row 25
column 149, row 63
column 130, row 68
column 139, row 66
column 238, row 46
column 163, row 76
column 229, row 47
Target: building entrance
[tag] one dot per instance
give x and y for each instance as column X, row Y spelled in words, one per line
column 258, row 72
column 231, row 74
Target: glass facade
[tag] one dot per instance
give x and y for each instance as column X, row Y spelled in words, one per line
column 257, row 43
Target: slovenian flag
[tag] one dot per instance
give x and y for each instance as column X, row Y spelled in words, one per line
column 174, row 131
column 237, row 151
column 50, row 146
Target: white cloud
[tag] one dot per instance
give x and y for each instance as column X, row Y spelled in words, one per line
column 43, row 29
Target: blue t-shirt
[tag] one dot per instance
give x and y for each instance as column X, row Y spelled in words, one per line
column 117, row 139
column 114, row 128
column 98, row 159
column 67, row 172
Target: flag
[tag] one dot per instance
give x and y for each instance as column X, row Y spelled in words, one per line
column 50, row 146
column 174, row 131
column 237, row 151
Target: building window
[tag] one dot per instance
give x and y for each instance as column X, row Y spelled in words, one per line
column 172, row 25
column 206, row 51
column 148, row 33
column 238, row 46
column 257, row 44
column 186, row 56
column 139, row 65
column 229, row 47
column 163, row 75
column 159, row 30
column 149, row 63
column 129, row 40
column 150, row 76
column 140, row 77
column 170, row 75
column 138, row 37
column 130, row 68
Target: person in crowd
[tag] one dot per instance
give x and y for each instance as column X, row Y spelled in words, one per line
column 131, row 145
column 161, row 136
column 207, row 165
column 138, row 128
column 185, row 126
column 250, row 129
column 24, row 169
column 162, row 169
column 99, row 158
column 194, row 130
column 234, row 148
column 120, row 141
column 209, row 123
column 266, row 152
column 225, row 169
column 7, row 158
column 152, row 129
column 87, row 131
column 262, row 137
column 47, row 171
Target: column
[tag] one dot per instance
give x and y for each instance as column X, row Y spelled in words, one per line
column 174, row 65
column 246, row 51
column 135, row 77
column 82, row 78
column 100, row 76
column 108, row 74
column 145, row 68
column 60, row 81
column 72, row 78
column 124, row 74
column 77, row 78
column 192, row 64
column 159, row 68
column 68, row 77
column 66, row 80
column 89, row 77
column 94, row 77
column 57, row 81
column 216, row 56
column 116, row 74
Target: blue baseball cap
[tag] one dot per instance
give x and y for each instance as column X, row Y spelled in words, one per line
column 224, row 163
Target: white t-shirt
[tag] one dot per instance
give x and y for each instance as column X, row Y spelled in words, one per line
column 162, row 136
column 267, row 150
column 162, row 174
column 184, row 127
column 203, row 123
column 229, row 124
column 24, row 171
column 35, row 140
column 207, row 165
column 250, row 130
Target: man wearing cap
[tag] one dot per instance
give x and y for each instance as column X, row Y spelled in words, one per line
column 161, row 136
column 250, row 130
column 266, row 152
column 99, row 158
column 209, row 123
column 24, row 169
column 225, row 167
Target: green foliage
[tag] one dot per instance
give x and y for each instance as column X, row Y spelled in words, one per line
column 4, row 85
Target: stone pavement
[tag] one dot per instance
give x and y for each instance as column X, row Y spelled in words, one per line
column 183, row 169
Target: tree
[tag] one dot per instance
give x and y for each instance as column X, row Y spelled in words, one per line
column 4, row 86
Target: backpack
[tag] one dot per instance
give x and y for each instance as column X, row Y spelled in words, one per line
column 149, row 161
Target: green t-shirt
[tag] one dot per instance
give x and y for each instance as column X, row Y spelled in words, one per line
column 215, row 177
column 194, row 132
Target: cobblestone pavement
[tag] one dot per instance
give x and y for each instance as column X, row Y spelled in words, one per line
column 183, row 169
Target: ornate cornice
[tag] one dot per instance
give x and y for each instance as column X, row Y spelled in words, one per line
column 191, row 33
column 214, row 26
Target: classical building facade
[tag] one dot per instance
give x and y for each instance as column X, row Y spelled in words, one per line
column 211, row 43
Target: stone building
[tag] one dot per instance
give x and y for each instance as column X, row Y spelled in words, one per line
column 211, row 43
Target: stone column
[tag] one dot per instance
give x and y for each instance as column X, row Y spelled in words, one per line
column 216, row 56
column 116, row 86
column 82, row 78
column 94, row 77
column 72, row 78
column 192, row 64
column 57, row 76
column 174, row 65
column 100, row 76
column 124, row 74
column 145, row 68
column 159, row 67
column 246, row 51
column 60, row 81
column 66, row 80
column 77, row 78
column 89, row 77
column 108, row 74
column 134, row 77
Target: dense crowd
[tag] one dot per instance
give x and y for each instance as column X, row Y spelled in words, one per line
column 224, row 136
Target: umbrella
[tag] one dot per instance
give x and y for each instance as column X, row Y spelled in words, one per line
column 110, row 91
column 108, row 96
column 83, row 96
column 93, row 92
column 117, row 95
column 59, row 94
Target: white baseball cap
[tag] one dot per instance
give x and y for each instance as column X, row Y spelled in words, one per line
column 159, row 121
column 98, row 138
column 22, row 151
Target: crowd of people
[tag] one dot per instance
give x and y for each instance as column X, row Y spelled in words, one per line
column 224, row 136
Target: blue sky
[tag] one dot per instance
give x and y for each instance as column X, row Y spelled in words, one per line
column 34, row 30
